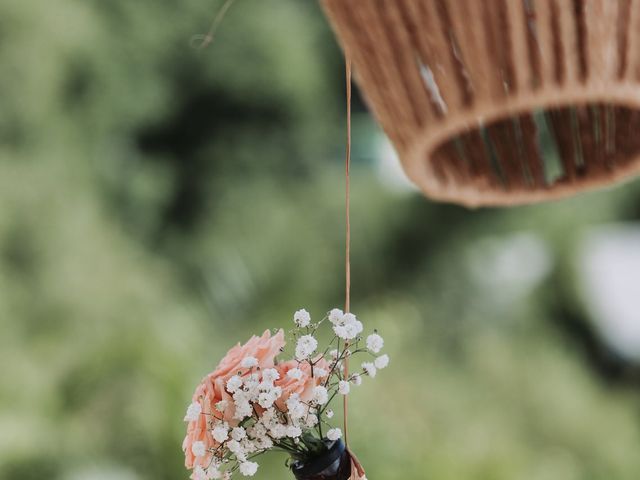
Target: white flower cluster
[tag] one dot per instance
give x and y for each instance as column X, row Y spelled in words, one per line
column 345, row 325
column 193, row 412
column 261, row 429
column 302, row 318
column 305, row 347
column 347, row 329
column 265, row 412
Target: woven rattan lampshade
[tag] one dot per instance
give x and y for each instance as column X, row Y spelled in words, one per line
column 501, row 102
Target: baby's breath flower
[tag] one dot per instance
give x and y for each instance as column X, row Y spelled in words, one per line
column 334, row 434
column 295, row 407
column 258, row 430
column 375, row 342
column 335, row 316
column 341, row 331
column 311, row 421
column 235, row 447
column 249, row 362
column 348, row 327
column 251, row 381
column 348, row 318
column 294, row 431
column 305, row 347
column 302, row 318
column 267, row 399
column 220, row 432
column 264, row 443
column 382, row 361
column 248, row 446
column 238, row 433
column 354, row 329
column 356, row 380
column 320, row 372
column 243, row 408
column 213, row 473
column 279, row 431
column 298, row 411
column 343, row 387
column 199, row 473
column 198, row 449
column 234, row 383
column 320, row 395
column 248, row 469
column 369, row 369
column 270, row 375
column 193, row 412
column 295, row 374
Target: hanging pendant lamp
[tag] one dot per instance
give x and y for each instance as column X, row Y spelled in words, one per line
column 501, row 102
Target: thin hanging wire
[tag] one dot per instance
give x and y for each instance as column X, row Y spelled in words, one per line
column 347, row 301
column 202, row 41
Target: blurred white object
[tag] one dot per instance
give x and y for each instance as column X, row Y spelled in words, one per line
column 510, row 266
column 609, row 268
column 389, row 169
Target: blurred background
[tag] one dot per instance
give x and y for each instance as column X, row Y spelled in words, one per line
column 159, row 203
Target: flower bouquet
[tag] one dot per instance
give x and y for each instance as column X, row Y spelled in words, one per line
column 255, row 402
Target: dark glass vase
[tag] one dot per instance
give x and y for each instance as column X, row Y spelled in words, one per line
column 333, row 464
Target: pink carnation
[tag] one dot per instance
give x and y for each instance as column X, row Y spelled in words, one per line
column 212, row 390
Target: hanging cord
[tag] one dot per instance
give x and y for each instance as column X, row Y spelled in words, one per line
column 202, row 41
column 347, row 300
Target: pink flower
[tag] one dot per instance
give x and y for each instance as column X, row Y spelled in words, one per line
column 264, row 349
column 212, row 390
column 304, row 385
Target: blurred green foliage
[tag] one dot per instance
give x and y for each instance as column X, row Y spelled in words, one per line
column 159, row 203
